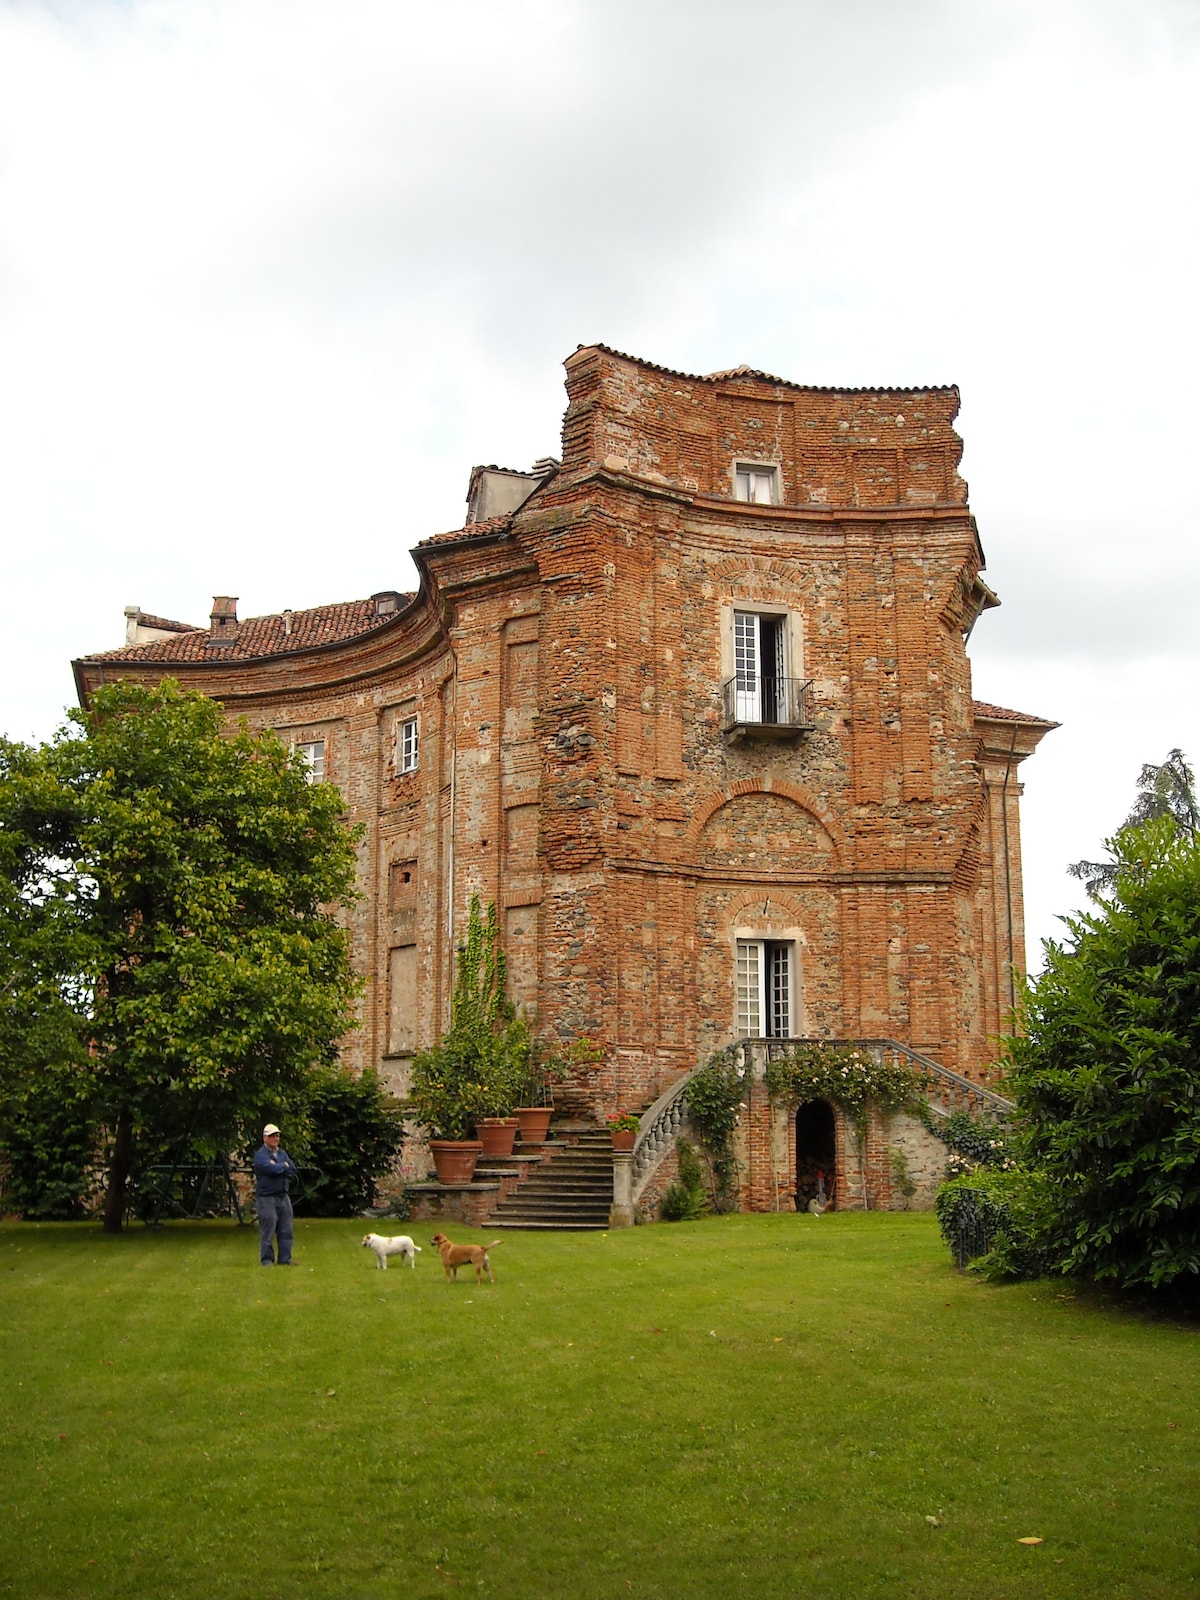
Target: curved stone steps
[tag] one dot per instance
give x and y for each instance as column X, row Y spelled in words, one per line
column 571, row 1192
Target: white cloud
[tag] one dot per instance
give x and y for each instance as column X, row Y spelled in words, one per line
column 275, row 273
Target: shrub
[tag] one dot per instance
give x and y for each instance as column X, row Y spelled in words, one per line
column 355, row 1134
column 972, row 1141
column 49, row 1139
column 715, row 1099
column 685, row 1200
column 999, row 1221
column 482, row 1062
column 1105, row 1075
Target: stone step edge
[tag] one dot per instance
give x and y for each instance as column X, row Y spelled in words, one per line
column 549, row 1227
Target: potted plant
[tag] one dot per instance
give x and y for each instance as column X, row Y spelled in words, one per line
column 445, row 1098
column 472, row 1074
column 623, row 1125
column 497, row 1128
column 547, row 1065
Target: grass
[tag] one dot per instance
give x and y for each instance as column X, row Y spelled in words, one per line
column 766, row 1406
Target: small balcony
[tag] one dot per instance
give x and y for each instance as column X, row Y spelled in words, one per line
column 766, row 708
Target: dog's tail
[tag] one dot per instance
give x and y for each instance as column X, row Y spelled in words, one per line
column 417, row 1248
column 493, row 1244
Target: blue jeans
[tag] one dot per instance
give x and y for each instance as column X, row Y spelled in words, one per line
column 274, row 1221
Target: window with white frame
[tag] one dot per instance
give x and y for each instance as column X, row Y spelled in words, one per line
column 759, row 665
column 765, row 984
column 408, row 745
column 313, row 753
column 756, row 483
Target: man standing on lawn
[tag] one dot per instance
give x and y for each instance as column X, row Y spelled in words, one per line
column 272, row 1169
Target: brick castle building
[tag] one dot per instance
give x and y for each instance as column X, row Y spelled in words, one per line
column 693, row 707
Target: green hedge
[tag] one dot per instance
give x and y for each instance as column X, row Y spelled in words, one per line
column 999, row 1221
column 356, row 1131
column 49, row 1133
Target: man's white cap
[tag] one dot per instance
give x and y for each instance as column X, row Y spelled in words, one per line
column 270, row 1128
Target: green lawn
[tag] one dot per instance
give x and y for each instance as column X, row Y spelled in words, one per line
column 757, row 1406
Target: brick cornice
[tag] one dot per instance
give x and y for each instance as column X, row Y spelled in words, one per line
column 842, row 878
column 723, row 505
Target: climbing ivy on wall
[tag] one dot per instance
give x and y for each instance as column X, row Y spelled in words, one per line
column 715, row 1099
column 846, row 1075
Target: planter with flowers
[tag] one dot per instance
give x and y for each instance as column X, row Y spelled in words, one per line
column 623, row 1125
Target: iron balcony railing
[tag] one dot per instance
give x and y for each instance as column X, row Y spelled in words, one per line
column 767, row 703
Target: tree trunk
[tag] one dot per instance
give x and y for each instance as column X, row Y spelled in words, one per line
column 119, row 1165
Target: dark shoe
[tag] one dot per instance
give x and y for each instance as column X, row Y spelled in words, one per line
column 266, row 1263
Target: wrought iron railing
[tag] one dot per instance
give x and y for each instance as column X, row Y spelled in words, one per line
column 767, row 702
column 215, row 1188
column 974, row 1229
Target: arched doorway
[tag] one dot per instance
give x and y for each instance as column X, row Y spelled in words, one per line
column 816, row 1152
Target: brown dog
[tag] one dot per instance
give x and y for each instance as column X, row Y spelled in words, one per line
column 464, row 1255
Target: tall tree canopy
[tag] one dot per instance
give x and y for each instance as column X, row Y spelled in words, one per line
column 168, row 918
column 1167, row 790
column 1107, row 1073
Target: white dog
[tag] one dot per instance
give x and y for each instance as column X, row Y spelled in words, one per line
column 399, row 1245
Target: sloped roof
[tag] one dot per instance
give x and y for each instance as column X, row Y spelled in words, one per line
column 473, row 530
column 1003, row 714
column 263, row 636
column 145, row 620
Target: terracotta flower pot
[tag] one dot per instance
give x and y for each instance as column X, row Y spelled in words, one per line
column 535, row 1123
column 624, row 1138
column 497, row 1135
column 454, row 1159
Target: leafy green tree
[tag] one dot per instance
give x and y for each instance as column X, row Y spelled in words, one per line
column 168, row 920
column 1107, row 1073
column 1168, row 790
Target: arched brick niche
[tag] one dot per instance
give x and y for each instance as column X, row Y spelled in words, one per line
column 741, row 818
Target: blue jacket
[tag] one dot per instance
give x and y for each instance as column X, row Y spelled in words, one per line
column 272, row 1169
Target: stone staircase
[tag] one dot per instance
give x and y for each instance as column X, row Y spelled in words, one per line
column 571, row 1192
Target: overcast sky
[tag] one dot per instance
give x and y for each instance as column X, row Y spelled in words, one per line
column 274, row 274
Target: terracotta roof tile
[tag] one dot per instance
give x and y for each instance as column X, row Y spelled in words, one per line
column 1002, row 714
column 769, row 377
column 473, row 530
column 145, row 620
column 264, row 636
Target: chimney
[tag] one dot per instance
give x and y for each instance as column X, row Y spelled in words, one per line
column 223, row 623
column 133, row 615
column 287, row 622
